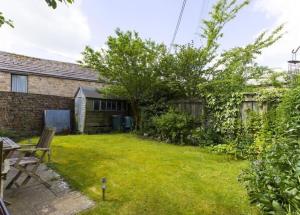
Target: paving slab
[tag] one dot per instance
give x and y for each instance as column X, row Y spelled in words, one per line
column 36, row 199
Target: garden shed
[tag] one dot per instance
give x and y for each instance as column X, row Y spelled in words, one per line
column 94, row 111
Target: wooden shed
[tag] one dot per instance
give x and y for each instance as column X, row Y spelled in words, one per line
column 94, row 111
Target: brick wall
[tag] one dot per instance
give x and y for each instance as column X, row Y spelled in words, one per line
column 23, row 113
column 48, row 85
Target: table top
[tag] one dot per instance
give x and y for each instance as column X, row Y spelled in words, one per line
column 9, row 144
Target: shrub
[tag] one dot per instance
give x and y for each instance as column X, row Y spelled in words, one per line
column 273, row 179
column 289, row 113
column 174, row 127
column 202, row 136
column 9, row 133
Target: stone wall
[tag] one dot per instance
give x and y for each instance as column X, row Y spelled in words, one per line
column 24, row 113
column 57, row 86
column 5, row 81
column 49, row 85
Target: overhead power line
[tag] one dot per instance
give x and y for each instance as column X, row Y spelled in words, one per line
column 178, row 24
column 203, row 11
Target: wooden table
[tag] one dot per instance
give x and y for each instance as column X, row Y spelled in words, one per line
column 9, row 146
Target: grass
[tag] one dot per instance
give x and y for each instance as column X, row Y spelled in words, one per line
column 149, row 177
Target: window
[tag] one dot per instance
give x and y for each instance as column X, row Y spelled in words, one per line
column 19, row 83
column 113, row 105
column 96, row 105
column 119, row 106
column 108, row 106
column 103, row 104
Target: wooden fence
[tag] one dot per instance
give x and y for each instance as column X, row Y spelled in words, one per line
column 197, row 107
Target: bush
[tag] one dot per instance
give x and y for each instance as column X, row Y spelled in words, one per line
column 201, row 136
column 9, row 133
column 273, row 179
column 174, row 127
column 289, row 113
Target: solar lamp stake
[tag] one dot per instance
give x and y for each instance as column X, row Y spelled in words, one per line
column 103, row 180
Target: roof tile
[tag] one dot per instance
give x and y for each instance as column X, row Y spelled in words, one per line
column 30, row 65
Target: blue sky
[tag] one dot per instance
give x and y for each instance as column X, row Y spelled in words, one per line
column 156, row 19
column 62, row 34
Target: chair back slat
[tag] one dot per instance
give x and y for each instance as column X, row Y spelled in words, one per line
column 3, row 209
column 1, row 167
column 46, row 138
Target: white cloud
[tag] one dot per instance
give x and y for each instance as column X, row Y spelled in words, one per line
column 282, row 12
column 40, row 31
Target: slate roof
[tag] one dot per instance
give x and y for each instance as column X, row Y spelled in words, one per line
column 94, row 93
column 91, row 93
column 16, row 63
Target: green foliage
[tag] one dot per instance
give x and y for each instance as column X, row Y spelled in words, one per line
column 53, row 3
column 271, row 96
column 243, row 145
column 245, row 138
column 225, row 114
column 173, row 126
column 289, row 113
column 130, row 65
column 272, row 180
column 5, row 21
column 137, row 68
column 201, row 136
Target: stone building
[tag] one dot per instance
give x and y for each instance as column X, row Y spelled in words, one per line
column 29, row 86
column 25, row 74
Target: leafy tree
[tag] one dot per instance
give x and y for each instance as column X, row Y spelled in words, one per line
column 5, row 21
column 129, row 65
column 51, row 3
column 136, row 68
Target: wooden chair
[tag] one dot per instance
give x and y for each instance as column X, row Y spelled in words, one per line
column 27, row 157
column 44, row 142
column 4, row 167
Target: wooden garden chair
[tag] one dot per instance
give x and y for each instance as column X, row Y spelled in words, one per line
column 27, row 157
column 4, row 167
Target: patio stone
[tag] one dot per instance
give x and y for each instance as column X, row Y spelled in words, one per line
column 36, row 199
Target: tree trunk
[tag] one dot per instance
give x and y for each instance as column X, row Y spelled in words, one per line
column 136, row 114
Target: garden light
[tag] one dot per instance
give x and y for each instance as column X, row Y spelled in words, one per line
column 103, row 180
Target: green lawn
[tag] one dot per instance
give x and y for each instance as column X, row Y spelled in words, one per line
column 149, row 177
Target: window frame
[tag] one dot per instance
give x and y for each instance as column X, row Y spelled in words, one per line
column 11, row 82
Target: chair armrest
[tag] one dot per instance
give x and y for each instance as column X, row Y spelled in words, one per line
column 6, row 168
column 27, row 145
column 33, row 149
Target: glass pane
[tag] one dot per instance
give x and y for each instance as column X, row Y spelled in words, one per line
column 103, row 104
column 108, row 105
column 96, row 105
column 19, row 83
column 119, row 104
column 113, row 105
